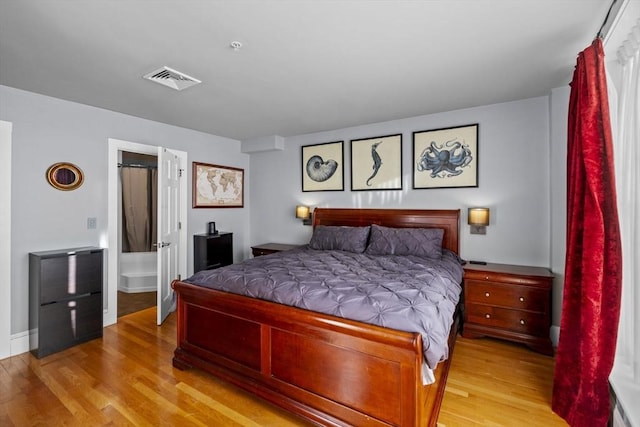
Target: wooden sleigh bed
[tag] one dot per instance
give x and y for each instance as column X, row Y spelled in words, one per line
column 328, row 370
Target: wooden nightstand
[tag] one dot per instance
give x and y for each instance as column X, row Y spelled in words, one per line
column 270, row 248
column 512, row 302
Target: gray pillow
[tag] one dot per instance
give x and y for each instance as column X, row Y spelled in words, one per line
column 343, row 238
column 422, row 242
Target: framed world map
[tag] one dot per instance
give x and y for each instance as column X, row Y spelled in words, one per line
column 216, row 186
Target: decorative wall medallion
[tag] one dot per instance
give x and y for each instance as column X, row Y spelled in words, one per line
column 65, row 176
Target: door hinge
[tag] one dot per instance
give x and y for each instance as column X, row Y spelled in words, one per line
column 179, row 225
column 180, row 171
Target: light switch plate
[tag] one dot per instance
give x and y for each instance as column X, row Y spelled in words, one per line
column 92, row 223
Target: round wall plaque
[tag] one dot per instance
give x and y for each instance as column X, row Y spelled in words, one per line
column 65, row 176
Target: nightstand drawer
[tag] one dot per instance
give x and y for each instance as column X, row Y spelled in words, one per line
column 518, row 297
column 502, row 277
column 271, row 248
column 261, row 252
column 513, row 320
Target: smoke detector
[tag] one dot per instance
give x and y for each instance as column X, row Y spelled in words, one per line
column 171, row 78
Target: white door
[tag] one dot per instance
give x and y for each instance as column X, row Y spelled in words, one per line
column 169, row 224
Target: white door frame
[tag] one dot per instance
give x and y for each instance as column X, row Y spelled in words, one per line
column 114, row 219
column 5, row 240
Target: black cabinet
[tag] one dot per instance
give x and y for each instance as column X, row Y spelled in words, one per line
column 212, row 251
column 65, row 298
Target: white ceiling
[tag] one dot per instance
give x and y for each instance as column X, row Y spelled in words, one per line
column 305, row 66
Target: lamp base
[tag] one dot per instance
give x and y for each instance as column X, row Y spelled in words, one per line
column 478, row 229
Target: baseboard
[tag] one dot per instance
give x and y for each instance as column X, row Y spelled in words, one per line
column 138, row 282
column 137, row 289
column 20, row 342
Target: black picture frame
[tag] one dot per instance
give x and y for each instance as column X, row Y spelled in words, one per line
column 376, row 163
column 322, row 166
column 446, row 157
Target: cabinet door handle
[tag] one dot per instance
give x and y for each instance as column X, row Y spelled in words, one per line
column 521, row 299
column 488, row 316
column 522, row 322
column 486, row 294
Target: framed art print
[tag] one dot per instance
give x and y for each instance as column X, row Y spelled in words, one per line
column 446, row 158
column 217, row 186
column 376, row 163
column 323, row 167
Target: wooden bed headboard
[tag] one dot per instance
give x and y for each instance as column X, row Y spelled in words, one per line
column 449, row 220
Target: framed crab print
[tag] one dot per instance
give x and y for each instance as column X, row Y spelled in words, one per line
column 376, row 163
column 323, row 167
column 446, row 158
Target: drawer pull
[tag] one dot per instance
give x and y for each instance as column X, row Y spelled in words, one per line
column 488, row 316
column 486, row 277
column 521, row 299
column 486, row 294
column 522, row 322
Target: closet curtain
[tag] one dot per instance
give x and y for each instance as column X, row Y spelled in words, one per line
column 139, row 209
column 593, row 262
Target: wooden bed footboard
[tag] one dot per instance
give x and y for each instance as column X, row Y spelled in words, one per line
column 328, row 370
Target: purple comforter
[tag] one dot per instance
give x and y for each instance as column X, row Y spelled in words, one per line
column 407, row 293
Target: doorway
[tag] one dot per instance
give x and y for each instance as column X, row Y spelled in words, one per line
column 137, row 284
column 114, row 262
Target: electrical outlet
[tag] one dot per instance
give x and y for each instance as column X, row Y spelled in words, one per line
column 92, row 223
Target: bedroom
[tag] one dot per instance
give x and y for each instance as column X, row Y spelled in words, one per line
column 522, row 144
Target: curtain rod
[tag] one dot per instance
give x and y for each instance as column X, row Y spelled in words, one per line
column 135, row 165
column 602, row 32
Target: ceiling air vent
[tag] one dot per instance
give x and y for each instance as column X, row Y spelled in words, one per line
column 171, row 78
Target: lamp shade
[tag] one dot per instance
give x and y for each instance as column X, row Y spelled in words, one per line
column 478, row 216
column 302, row 212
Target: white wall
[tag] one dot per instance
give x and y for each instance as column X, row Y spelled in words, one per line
column 520, row 178
column 513, row 182
column 5, row 241
column 48, row 130
column 559, row 104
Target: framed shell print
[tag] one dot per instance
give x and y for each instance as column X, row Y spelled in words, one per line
column 323, row 167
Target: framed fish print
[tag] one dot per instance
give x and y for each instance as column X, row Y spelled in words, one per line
column 323, row 167
column 446, row 158
column 376, row 163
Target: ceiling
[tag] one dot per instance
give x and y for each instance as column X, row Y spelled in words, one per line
column 305, row 65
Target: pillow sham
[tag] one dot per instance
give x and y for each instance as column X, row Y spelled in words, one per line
column 422, row 242
column 343, row 238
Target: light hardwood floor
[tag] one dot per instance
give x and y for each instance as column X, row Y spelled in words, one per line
column 126, row 378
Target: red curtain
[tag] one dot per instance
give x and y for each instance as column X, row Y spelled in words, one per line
column 593, row 263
